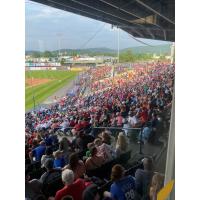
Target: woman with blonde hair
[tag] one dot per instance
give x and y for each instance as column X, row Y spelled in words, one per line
column 121, row 144
column 156, row 185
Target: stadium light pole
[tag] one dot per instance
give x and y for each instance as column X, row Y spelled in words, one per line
column 59, row 42
column 113, row 67
column 118, row 44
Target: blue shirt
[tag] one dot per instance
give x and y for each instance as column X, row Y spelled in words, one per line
column 38, row 152
column 123, row 189
column 48, row 141
column 59, row 163
column 146, row 132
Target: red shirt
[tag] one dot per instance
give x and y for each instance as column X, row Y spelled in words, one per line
column 144, row 115
column 75, row 190
column 78, row 127
column 84, row 124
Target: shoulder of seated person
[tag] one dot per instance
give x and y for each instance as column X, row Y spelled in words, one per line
column 139, row 171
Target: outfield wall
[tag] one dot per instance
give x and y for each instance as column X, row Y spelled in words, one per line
column 40, row 68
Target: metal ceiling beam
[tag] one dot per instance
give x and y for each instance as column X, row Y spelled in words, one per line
column 82, row 10
column 126, row 11
column 150, row 31
column 101, row 7
column 95, row 6
column 120, row 8
column 154, row 11
column 153, row 37
column 78, row 11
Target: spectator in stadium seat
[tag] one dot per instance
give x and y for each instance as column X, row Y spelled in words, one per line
column 51, row 174
column 132, row 119
column 143, row 177
column 59, row 161
column 34, row 143
column 64, row 125
column 126, row 125
column 157, row 184
column 91, row 193
column 64, row 147
column 76, row 165
column 89, row 147
column 38, row 152
column 121, row 144
column 123, row 187
column 33, row 188
column 47, row 139
column 106, row 137
column 82, row 140
column 53, row 137
column 73, row 188
column 146, row 133
column 154, row 121
column 119, row 119
column 94, row 161
column 104, row 150
column 48, row 155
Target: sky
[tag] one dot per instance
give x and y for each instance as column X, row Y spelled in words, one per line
column 48, row 28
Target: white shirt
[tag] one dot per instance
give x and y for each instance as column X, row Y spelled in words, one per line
column 132, row 120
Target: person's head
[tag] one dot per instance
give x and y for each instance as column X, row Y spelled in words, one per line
column 93, row 151
column 48, row 164
column 97, row 142
column 117, row 172
column 67, row 176
column 57, row 154
column 73, row 160
column 148, row 164
column 91, row 192
column 157, row 183
column 68, row 197
column 131, row 114
column 35, row 142
column 42, row 143
column 48, row 151
column 90, row 145
column 121, row 141
column 80, row 169
column 106, row 137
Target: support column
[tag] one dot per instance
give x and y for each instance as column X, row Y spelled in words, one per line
column 170, row 162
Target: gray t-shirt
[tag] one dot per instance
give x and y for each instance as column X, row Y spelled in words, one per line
column 33, row 189
column 143, row 181
column 49, row 177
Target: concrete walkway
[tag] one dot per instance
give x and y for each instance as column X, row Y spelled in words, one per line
column 61, row 92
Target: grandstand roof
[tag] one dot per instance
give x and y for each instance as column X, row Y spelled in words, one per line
column 151, row 19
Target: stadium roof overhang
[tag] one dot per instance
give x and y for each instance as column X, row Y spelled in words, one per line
column 151, row 19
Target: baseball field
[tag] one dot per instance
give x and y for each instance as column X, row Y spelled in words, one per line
column 42, row 84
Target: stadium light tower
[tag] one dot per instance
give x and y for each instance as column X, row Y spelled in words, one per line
column 113, row 68
column 118, row 44
column 59, row 42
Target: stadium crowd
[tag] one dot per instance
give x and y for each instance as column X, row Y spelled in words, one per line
column 66, row 142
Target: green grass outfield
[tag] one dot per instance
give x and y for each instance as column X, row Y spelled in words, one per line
column 43, row 91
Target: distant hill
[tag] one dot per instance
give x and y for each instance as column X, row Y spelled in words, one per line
column 31, row 52
column 88, row 51
column 160, row 49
